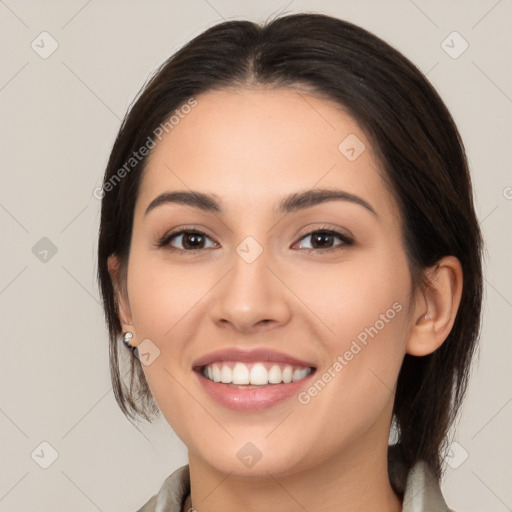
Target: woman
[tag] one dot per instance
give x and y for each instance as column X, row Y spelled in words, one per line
column 289, row 248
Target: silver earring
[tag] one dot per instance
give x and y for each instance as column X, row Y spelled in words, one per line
column 428, row 316
column 127, row 336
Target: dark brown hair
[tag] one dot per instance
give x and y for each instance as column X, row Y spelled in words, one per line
column 418, row 146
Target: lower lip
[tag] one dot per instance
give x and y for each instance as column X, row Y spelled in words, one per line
column 251, row 399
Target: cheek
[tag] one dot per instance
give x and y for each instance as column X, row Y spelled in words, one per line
column 355, row 298
column 163, row 300
column 366, row 309
column 362, row 309
column 162, row 294
column 159, row 305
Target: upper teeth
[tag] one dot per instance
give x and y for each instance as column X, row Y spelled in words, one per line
column 255, row 374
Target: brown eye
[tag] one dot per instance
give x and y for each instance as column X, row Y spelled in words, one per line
column 192, row 240
column 189, row 240
column 323, row 239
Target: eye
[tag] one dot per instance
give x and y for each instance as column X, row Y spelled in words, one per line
column 322, row 240
column 190, row 240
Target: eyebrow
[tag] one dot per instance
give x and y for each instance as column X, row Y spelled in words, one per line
column 291, row 203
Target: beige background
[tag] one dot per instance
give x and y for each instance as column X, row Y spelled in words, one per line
column 59, row 116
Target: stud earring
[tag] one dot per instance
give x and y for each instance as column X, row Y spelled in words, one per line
column 428, row 316
column 127, row 336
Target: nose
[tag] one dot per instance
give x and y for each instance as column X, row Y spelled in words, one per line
column 251, row 297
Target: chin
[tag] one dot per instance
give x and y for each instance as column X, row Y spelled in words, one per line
column 255, row 460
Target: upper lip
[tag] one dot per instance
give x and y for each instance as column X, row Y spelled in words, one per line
column 249, row 356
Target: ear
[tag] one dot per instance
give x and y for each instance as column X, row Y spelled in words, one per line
column 436, row 309
column 123, row 305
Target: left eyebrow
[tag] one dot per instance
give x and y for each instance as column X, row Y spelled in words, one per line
column 292, row 202
column 310, row 198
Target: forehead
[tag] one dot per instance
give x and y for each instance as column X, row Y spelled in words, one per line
column 253, row 146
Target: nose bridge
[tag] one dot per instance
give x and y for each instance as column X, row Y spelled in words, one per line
column 250, row 293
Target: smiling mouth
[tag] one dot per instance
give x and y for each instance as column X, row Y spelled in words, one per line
column 253, row 375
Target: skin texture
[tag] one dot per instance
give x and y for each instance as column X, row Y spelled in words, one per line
column 251, row 147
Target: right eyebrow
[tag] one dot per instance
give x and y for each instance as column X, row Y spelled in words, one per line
column 205, row 202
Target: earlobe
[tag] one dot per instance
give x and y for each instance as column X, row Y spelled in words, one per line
column 436, row 309
column 123, row 306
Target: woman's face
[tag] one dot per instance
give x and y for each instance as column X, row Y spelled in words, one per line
column 331, row 311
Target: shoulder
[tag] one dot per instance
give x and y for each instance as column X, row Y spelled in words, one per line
column 418, row 486
column 422, row 491
column 149, row 506
column 172, row 493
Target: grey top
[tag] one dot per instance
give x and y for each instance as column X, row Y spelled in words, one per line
column 422, row 492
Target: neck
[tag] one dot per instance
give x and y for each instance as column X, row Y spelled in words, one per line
column 355, row 481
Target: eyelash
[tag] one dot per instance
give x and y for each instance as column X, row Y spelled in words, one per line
column 168, row 237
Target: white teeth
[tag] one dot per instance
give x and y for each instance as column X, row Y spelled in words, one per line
column 299, row 374
column 240, row 374
column 257, row 375
column 226, row 375
column 275, row 375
